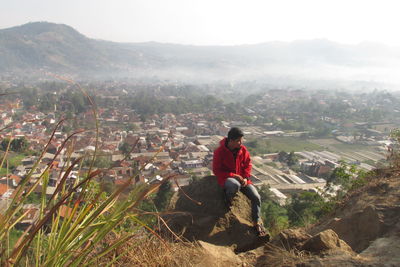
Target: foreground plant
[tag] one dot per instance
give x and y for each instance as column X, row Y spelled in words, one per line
column 74, row 220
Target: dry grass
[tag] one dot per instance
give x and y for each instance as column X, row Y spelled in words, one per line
column 147, row 250
column 275, row 256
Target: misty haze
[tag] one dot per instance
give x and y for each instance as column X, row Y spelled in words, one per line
column 33, row 49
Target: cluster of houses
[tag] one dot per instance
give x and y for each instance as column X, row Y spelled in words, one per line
column 161, row 146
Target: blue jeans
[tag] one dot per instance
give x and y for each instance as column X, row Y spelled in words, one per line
column 232, row 186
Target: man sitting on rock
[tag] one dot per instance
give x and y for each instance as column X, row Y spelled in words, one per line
column 232, row 166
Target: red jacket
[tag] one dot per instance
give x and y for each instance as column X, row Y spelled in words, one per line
column 224, row 164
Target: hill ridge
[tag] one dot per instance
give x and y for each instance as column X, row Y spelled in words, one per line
column 61, row 48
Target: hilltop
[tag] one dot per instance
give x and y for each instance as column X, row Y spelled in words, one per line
column 38, row 47
column 58, row 48
column 363, row 230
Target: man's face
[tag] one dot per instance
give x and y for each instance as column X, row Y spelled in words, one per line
column 236, row 143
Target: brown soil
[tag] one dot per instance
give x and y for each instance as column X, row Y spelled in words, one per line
column 368, row 220
column 368, row 213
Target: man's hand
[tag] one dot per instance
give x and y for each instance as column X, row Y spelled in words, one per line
column 240, row 179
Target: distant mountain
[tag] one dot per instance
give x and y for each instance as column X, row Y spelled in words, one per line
column 41, row 46
column 58, row 47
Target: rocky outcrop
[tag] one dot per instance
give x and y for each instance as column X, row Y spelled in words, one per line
column 325, row 241
column 222, row 256
column 322, row 249
column 358, row 229
column 371, row 213
column 206, row 217
column 292, row 238
column 367, row 222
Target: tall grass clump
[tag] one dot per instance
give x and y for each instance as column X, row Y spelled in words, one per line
column 151, row 251
column 394, row 149
column 75, row 219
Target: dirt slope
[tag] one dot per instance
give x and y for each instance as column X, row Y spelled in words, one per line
column 369, row 213
column 368, row 220
column 364, row 230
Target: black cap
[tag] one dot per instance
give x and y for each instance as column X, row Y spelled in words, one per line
column 235, row 133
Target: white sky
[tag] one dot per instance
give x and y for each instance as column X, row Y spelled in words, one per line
column 215, row 22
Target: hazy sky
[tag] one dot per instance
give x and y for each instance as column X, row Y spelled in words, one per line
column 218, row 22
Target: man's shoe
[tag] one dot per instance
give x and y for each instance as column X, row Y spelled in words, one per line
column 261, row 231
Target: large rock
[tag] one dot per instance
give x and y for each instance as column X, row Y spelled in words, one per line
column 324, row 241
column 205, row 216
column 292, row 238
column 359, row 228
column 222, row 256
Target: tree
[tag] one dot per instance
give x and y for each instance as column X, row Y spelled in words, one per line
column 125, row 148
column 107, row 185
column 347, row 177
column 292, row 159
column 306, row 208
column 131, row 127
column 66, row 129
column 101, row 161
column 30, row 97
column 265, row 193
column 282, row 156
column 4, row 143
column 341, row 175
column 17, row 145
column 147, row 205
column 46, row 103
column 79, row 103
column 163, row 196
column 274, row 216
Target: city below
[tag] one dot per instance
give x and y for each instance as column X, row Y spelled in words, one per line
column 296, row 137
